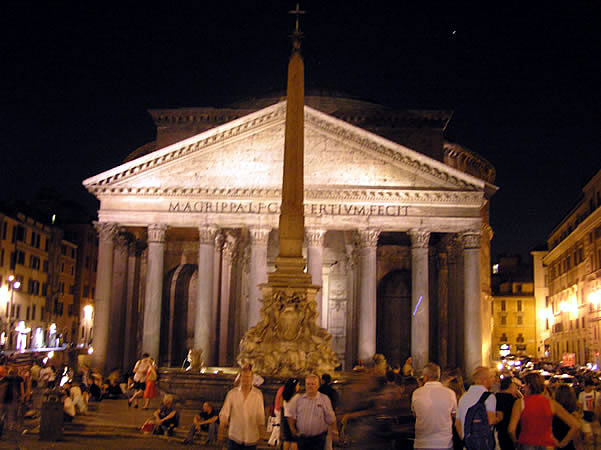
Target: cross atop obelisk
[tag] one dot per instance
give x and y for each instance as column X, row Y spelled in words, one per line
column 287, row 340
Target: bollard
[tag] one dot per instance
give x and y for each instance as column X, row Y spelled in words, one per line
column 52, row 417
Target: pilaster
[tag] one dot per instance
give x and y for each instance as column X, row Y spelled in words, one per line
column 315, row 239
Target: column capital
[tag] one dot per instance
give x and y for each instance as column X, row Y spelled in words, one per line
column 315, row 237
column 259, row 235
column 471, row 239
column 107, row 231
column 419, row 238
column 368, row 237
column 230, row 244
column 219, row 238
column 157, row 232
column 207, row 234
column 122, row 241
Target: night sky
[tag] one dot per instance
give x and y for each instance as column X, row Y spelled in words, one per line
column 521, row 77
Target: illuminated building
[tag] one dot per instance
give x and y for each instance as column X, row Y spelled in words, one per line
column 23, row 255
column 514, row 308
column 84, row 288
column 573, row 277
column 46, row 305
column 396, row 223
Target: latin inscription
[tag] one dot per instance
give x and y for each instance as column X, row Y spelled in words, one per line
column 311, row 209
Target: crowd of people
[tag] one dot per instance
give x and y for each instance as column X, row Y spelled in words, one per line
column 503, row 409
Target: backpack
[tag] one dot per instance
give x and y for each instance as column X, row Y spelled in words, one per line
column 477, row 434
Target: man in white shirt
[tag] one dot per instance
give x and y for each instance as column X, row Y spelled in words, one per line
column 483, row 378
column 244, row 412
column 434, row 406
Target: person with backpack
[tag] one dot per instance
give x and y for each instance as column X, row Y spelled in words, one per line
column 535, row 416
column 477, row 412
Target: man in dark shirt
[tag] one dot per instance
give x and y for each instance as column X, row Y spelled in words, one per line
column 509, row 393
column 326, row 389
column 207, row 421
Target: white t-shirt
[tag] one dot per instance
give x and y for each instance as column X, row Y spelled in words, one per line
column 587, row 400
column 470, row 398
column 433, row 405
column 140, row 369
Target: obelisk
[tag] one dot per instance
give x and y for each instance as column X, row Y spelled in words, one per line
column 287, row 341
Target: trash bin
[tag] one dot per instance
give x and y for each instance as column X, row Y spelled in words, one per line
column 52, row 417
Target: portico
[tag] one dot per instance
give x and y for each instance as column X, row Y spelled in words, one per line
column 206, row 209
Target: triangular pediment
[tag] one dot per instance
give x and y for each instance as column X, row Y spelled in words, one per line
column 247, row 153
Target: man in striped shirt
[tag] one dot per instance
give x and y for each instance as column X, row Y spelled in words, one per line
column 310, row 415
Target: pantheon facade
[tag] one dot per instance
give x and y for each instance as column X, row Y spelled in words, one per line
column 396, row 221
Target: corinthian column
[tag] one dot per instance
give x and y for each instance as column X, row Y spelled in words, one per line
column 420, row 301
column 368, row 243
column 118, row 299
column 315, row 238
column 204, row 289
column 104, row 279
column 473, row 305
column 229, row 253
column 151, row 336
column 259, row 237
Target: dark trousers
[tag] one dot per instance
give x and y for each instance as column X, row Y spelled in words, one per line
column 233, row 445
column 317, row 442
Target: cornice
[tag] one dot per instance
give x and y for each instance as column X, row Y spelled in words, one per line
column 375, row 195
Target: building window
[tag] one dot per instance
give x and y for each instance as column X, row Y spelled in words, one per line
column 86, row 291
column 582, row 322
column 503, row 320
column 546, row 324
column 1, row 257
column 503, row 305
column 27, row 313
column 519, row 306
column 520, row 338
column 503, row 338
column 33, row 312
column 520, row 320
column 18, row 311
